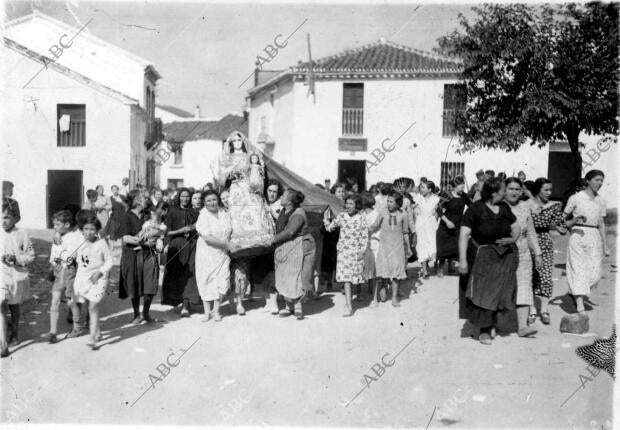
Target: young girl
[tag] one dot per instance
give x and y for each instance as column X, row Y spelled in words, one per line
column 94, row 263
column 391, row 261
column 62, row 260
column 16, row 253
column 426, row 225
column 351, row 247
column 370, row 256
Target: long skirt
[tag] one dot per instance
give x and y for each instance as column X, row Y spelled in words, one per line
column 543, row 276
column 294, row 262
column 490, row 284
column 179, row 276
column 525, row 293
column 426, row 230
column 147, row 265
column 128, row 282
column 584, row 259
column 447, row 242
column 212, row 272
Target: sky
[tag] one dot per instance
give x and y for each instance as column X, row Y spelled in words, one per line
column 205, row 50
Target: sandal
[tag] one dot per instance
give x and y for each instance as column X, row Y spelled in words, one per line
column 545, row 318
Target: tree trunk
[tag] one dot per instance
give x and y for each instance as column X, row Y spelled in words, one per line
column 572, row 135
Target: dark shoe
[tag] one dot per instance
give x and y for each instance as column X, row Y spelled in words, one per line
column 76, row 333
column 299, row 314
column 545, row 318
column 4, row 353
column 284, row 313
column 527, row 332
column 485, row 339
column 50, row 337
column 184, row 313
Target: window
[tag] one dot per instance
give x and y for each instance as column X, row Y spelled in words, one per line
column 178, row 155
column 353, row 110
column 175, row 183
column 454, row 99
column 71, row 125
column 449, row 170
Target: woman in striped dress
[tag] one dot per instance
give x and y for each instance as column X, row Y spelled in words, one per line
column 527, row 244
column 294, row 254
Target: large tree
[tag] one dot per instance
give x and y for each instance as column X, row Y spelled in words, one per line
column 536, row 74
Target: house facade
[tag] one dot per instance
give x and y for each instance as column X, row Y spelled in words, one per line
column 373, row 113
column 82, row 119
column 190, row 151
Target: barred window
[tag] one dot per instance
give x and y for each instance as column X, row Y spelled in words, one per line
column 450, row 170
column 71, row 125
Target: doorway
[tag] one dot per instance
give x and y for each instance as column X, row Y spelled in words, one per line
column 561, row 173
column 352, row 171
column 64, row 187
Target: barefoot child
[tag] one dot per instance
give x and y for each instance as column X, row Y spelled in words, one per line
column 62, row 259
column 94, row 263
column 16, row 253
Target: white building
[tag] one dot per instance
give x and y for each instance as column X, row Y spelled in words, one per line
column 376, row 113
column 70, row 123
column 189, row 153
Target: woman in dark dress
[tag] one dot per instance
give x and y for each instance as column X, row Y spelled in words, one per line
column 330, row 240
column 115, row 223
column 487, row 250
column 131, row 282
column 179, row 284
column 450, row 212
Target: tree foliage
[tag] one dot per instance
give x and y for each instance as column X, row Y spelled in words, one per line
column 537, row 74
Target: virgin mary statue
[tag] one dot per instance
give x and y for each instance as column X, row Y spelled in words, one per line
column 242, row 165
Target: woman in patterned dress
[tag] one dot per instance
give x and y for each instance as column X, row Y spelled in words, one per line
column 351, row 247
column 527, row 244
column 546, row 215
column 584, row 213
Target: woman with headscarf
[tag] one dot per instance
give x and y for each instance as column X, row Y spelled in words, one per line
column 294, row 254
column 488, row 259
column 179, row 285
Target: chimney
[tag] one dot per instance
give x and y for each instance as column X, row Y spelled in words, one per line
column 197, row 112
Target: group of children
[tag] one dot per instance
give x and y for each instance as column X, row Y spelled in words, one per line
column 80, row 267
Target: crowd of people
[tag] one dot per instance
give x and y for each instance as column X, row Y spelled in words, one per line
column 221, row 242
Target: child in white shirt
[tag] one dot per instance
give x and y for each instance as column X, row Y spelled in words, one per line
column 94, row 261
column 16, row 252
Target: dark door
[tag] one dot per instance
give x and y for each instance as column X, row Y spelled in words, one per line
column 352, row 171
column 561, row 173
column 64, row 187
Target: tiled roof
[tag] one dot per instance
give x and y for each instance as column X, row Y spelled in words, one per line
column 383, row 56
column 176, row 111
column 183, row 131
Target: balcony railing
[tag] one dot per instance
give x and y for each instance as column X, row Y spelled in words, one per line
column 352, row 121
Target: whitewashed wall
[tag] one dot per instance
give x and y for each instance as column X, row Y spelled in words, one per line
column 198, row 158
column 390, row 107
column 29, row 136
